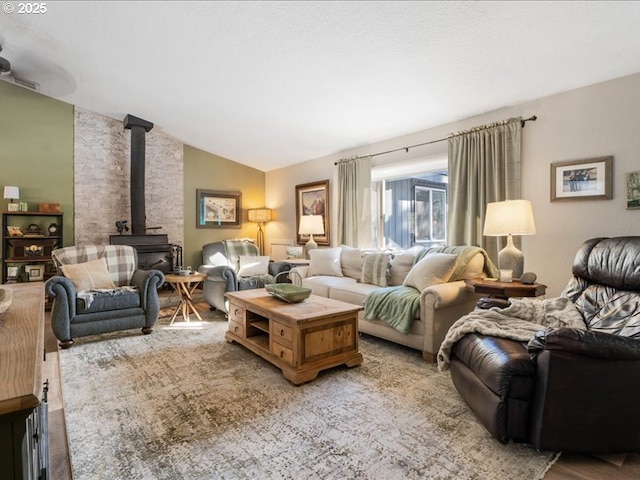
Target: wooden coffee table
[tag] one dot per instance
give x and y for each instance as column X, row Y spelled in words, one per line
column 301, row 339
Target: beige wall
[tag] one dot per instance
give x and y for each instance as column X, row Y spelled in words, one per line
column 206, row 171
column 585, row 123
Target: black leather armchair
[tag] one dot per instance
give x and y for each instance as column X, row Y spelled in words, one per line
column 567, row 389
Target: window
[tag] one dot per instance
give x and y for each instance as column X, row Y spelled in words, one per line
column 409, row 208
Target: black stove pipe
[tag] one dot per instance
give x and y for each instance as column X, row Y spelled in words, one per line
column 138, row 128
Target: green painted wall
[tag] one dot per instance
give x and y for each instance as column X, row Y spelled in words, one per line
column 36, row 150
column 206, row 171
column 36, row 154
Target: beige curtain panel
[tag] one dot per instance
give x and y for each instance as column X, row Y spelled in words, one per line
column 354, row 202
column 484, row 166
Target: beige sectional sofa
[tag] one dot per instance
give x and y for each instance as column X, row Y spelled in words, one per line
column 338, row 273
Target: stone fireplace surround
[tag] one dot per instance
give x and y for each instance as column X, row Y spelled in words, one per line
column 102, row 179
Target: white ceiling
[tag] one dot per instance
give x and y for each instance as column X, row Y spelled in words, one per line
column 270, row 84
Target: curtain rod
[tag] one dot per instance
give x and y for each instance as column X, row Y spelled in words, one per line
column 533, row 118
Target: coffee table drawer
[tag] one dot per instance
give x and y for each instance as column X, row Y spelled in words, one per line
column 236, row 313
column 236, row 328
column 281, row 332
column 282, row 352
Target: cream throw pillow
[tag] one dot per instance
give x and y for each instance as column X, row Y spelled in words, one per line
column 91, row 275
column 252, row 265
column 375, row 268
column 325, row 261
column 433, row 269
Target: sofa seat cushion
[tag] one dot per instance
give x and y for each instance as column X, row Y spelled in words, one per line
column 353, row 293
column 503, row 365
column 117, row 299
column 322, row 284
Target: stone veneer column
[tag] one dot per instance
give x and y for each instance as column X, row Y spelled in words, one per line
column 102, row 177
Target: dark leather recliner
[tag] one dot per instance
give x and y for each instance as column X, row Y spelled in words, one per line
column 567, row 389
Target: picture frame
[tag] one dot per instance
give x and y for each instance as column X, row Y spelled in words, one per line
column 633, row 190
column 588, row 179
column 313, row 199
column 218, row 209
column 34, row 272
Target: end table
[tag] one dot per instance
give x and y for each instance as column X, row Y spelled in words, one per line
column 185, row 285
column 500, row 292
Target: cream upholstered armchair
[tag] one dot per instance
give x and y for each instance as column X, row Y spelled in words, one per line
column 233, row 265
column 99, row 289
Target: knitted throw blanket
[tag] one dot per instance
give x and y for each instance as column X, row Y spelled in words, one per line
column 519, row 321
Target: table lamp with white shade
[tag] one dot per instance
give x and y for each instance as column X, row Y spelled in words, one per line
column 11, row 194
column 508, row 218
column 311, row 225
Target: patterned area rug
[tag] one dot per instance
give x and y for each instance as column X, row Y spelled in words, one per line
column 184, row 404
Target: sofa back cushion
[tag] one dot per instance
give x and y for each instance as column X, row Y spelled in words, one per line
column 351, row 261
column 401, row 264
column 432, row 269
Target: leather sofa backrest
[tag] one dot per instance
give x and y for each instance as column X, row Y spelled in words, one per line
column 606, row 285
column 614, row 262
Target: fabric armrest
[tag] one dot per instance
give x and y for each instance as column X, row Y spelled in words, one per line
column 446, row 294
column 302, row 270
column 63, row 293
column 147, row 282
column 584, row 342
column 278, row 267
column 221, row 273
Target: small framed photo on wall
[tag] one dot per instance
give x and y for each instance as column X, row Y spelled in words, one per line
column 588, row 179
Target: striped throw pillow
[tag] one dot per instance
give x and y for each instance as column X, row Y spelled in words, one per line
column 375, row 269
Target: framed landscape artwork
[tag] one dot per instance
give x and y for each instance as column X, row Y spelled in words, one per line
column 633, row 190
column 588, row 179
column 218, row 209
column 313, row 199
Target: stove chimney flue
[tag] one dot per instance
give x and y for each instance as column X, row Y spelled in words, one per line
column 138, row 128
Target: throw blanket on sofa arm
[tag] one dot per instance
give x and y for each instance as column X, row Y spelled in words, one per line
column 396, row 306
column 519, row 321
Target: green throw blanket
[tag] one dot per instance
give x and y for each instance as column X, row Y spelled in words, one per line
column 399, row 305
column 396, row 306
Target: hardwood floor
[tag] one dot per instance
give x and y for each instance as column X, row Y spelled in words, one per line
column 568, row 467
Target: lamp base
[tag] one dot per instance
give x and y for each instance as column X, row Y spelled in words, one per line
column 310, row 245
column 510, row 258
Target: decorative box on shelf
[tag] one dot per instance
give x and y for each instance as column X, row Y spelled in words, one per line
column 49, row 208
column 25, row 248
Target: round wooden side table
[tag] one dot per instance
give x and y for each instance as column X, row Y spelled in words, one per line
column 185, row 285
